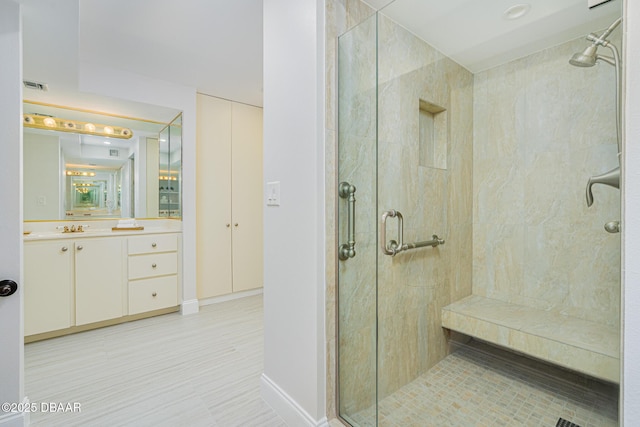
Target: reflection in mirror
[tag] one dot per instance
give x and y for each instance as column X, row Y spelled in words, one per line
column 72, row 173
column 171, row 169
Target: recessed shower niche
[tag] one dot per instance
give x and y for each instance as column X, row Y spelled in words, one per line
column 433, row 135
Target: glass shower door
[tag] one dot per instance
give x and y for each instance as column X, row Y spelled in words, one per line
column 357, row 224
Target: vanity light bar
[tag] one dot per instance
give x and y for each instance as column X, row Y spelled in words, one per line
column 78, row 173
column 75, row 126
column 168, row 178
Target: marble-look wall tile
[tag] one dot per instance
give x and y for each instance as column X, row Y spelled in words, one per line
column 414, row 286
column 357, row 369
column 541, row 129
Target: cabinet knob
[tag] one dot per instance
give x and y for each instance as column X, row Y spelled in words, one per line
column 153, row 245
column 79, row 248
column 155, row 294
column 235, row 225
column 64, row 249
column 154, row 265
column 228, row 225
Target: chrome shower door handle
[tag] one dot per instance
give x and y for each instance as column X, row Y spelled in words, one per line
column 348, row 250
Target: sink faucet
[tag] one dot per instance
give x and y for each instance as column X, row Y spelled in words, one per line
column 611, row 178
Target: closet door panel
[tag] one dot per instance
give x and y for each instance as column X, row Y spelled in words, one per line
column 247, row 199
column 213, row 189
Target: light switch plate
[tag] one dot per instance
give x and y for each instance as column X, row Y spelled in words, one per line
column 273, row 193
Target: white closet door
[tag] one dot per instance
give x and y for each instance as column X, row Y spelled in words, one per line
column 213, row 189
column 246, row 173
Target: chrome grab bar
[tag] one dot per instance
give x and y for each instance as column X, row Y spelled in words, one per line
column 393, row 247
column 348, row 250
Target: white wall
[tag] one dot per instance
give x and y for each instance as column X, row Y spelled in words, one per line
column 11, row 348
column 41, row 176
column 631, row 218
column 294, row 367
column 140, row 178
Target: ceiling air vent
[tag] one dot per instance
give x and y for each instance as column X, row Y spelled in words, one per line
column 29, row 84
column 114, row 153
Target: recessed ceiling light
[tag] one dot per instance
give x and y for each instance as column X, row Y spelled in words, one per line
column 516, row 11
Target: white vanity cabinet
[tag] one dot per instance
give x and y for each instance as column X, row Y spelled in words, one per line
column 72, row 282
column 75, row 283
column 153, row 272
column 99, row 279
column 48, row 286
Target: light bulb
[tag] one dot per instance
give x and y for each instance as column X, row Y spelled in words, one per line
column 108, row 130
column 49, row 122
column 90, row 127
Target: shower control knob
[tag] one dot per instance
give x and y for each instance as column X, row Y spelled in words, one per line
column 612, row 227
column 8, row 287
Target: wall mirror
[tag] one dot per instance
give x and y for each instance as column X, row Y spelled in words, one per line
column 80, row 164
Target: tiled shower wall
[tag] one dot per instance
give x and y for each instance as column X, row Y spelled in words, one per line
column 414, row 286
column 541, row 128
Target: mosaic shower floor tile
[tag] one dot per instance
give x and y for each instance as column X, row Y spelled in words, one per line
column 476, row 388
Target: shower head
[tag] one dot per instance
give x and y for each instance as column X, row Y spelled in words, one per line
column 587, row 58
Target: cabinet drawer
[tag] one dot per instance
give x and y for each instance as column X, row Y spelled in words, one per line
column 153, row 294
column 153, row 243
column 144, row 266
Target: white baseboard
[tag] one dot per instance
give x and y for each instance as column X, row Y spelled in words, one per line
column 230, row 297
column 20, row 419
column 189, row 307
column 288, row 409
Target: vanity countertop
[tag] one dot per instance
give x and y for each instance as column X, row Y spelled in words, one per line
column 49, row 231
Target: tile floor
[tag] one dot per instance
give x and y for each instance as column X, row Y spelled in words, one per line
column 476, row 388
column 172, row 370
column 204, row 370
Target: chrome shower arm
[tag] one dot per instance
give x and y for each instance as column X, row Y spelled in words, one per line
column 602, row 39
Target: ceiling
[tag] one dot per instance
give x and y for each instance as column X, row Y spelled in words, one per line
column 215, row 46
column 476, row 34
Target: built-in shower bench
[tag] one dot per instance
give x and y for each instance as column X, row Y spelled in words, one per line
column 581, row 345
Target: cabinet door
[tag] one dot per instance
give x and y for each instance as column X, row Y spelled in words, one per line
column 247, row 197
column 100, row 279
column 213, row 204
column 48, row 286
